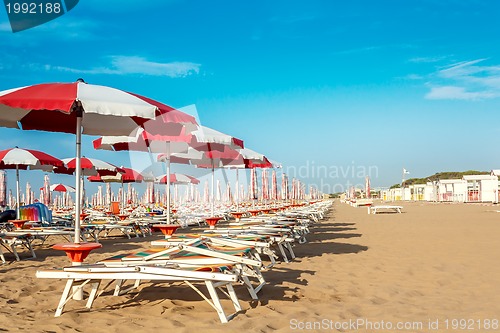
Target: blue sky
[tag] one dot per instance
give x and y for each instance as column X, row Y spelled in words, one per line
column 350, row 87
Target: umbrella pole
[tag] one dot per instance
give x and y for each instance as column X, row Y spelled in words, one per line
column 213, row 191
column 78, row 200
column 18, row 196
column 237, row 191
column 168, row 183
column 123, row 200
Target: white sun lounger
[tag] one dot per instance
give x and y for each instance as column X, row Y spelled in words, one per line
column 79, row 276
column 11, row 240
column 377, row 209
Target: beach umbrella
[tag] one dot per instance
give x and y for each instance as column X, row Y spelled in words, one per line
column 76, row 108
column 89, row 167
column 265, row 185
column 126, row 175
column 167, row 142
column 206, row 193
column 368, row 193
column 46, row 190
column 218, row 193
column 284, row 187
column 28, row 198
column 3, row 188
column 274, row 186
column 209, row 159
column 92, row 167
column 251, row 160
column 61, row 188
column 229, row 193
column 253, row 184
column 177, row 178
column 17, row 158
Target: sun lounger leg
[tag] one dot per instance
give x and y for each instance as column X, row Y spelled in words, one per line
column 272, row 256
column 118, row 287
column 14, row 251
column 216, row 301
column 64, row 297
column 289, row 248
column 234, row 298
column 261, row 279
column 1, row 256
column 93, row 293
column 250, row 288
column 283, row 254
column 32, row 250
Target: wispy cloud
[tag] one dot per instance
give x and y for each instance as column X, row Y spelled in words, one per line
column 122, row 65
column 466, row 80
column 453, row 92
column 427, row 59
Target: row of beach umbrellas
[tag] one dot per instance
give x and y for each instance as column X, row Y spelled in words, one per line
column 125, row 121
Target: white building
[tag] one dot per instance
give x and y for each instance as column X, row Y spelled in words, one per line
column 481, row 188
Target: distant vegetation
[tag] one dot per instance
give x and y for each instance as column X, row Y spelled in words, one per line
column 441, row 175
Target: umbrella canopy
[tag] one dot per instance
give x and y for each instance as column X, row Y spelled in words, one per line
column 92, row 166
column 17, row 158
column 207, row 159
column 79, row 108
column 61, row 188
column 55, row 107
column 126, row 175
column 208, row 139
column 177, row 178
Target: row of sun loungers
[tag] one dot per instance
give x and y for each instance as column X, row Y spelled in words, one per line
column 219, row 260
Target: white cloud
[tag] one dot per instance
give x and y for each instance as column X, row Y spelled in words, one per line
column 122, row 65
column 139, row 65
column 426, row 59
column 460, row 93
column 466, row 80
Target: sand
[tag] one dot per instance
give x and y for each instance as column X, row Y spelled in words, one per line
column 426, row 268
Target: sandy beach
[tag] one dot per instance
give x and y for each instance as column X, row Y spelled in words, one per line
column 419, row 271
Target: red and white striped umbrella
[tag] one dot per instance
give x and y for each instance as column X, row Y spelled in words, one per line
column 55, row 107
column 17, row 158
column 126, row 175
column 368, row 190
column 177, row 178
column 61, row 188
column 253, row 185
column 92, row 167
column 3, row 188
column 274, row 186
column 79, row 108
column 46, row 190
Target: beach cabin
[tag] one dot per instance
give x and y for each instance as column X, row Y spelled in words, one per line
column 396, row 194
column 417, row 192
column 451, row 190
column 430, row 192
column 481, row 188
